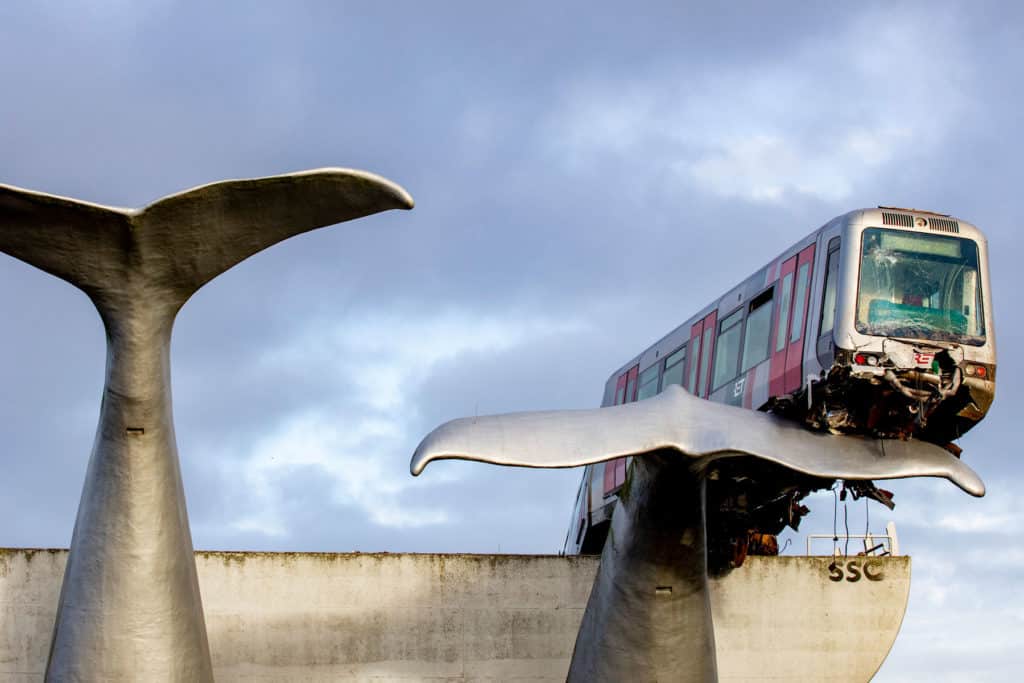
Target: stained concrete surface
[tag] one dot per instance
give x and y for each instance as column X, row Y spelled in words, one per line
column 405, row 617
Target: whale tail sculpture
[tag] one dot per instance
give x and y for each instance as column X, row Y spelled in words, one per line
column 174, row 246
column 130, row 607
column 701, row 430
column 649, row 616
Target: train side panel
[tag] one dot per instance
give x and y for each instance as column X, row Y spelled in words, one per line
column 754, row 314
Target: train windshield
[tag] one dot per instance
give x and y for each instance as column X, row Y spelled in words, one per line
column 920, row 286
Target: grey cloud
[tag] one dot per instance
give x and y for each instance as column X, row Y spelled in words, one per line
column 125, row 102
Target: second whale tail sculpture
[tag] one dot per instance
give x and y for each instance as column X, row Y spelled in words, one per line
column 130, row 607
column 169, row 249
column 648, row 616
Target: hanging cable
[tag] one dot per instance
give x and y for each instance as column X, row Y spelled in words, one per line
column 868, row 541
column 846, row 523
column 835, row 517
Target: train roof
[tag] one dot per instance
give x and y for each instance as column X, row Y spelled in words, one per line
column 882, row 216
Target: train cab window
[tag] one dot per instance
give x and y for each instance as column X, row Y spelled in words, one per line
column 800, row 302
column 784, row 305
column 727, row 350
column 648, row 383
column 757, row 336
column 674, row 368
column 828, row 305
column 920, row 286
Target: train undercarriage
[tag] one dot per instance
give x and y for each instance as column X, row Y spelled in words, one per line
column 751, row 501
column 910, row 391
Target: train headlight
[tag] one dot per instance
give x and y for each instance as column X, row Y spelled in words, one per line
column 865, row 359
column 979, row 371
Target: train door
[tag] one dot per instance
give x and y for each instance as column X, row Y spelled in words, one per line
column 631, row 383
column 825, row 346
column 693, row 362
column 620, row 389
column 625, row 392
column 798, row 321
column 702, row 336
column 780, row 332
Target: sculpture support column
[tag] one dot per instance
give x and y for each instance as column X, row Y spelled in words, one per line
column 649, row 616
column 130, row 606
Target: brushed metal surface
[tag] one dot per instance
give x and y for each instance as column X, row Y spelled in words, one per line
column 130, row 607
column 701, row 430
column 649, row 616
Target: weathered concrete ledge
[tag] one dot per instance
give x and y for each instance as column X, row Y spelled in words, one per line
column 386, row 617
column 327, row 617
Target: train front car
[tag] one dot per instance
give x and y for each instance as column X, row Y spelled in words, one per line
column 912, row 351
column 878, row 323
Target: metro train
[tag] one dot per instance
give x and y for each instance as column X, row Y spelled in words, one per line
column 878, row 323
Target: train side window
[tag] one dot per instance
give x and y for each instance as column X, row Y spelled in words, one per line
column 757, row 336
column 800, row 302
column 648, row 383
column 673, row 368
column 828, row 305
column 727, row 349
column 784, row 305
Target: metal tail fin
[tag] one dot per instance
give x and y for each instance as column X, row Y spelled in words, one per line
column 177, row 244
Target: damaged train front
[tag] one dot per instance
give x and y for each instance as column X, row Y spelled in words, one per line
column 914, row 353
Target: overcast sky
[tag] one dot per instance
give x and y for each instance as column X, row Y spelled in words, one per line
column 585, row 180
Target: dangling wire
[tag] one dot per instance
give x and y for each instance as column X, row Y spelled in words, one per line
column 867, row 518
column 835, row 516
column 846, row 523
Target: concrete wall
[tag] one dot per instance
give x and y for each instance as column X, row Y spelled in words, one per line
column 798, row 619
column 29, row 588
column 328, row 617
column 389, row 617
